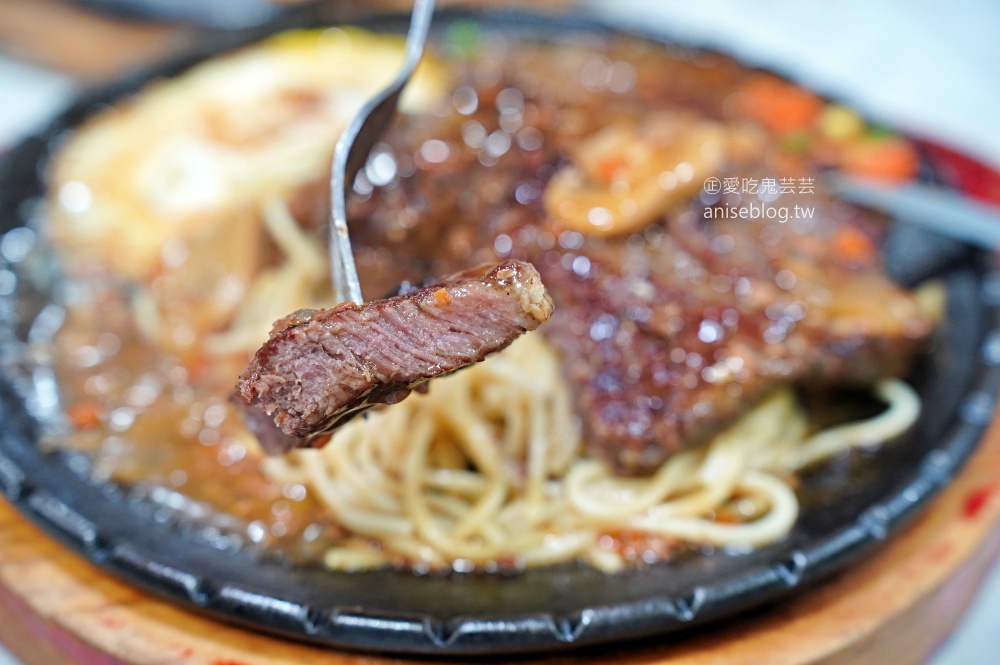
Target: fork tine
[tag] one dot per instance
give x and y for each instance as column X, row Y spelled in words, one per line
column 353, row 148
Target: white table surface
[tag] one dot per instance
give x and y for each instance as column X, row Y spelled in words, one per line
column 932, row 68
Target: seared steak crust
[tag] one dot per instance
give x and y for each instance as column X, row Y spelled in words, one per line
column 669, row 334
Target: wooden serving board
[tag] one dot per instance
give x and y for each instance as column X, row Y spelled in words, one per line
column 56, row 608
column 896, row 607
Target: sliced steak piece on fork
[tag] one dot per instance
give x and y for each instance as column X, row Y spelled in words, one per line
column 320, row 368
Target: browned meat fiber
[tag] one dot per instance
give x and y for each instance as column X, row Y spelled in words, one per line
column 670, row 339
column 318, row 369
column 669, row 333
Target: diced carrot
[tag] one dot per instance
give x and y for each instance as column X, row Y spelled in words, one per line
column 84, row 414
column 442, row 297
column 853, row 245
column 196, row 365
column 891, row 160
column 780, row 106
column 609, row 166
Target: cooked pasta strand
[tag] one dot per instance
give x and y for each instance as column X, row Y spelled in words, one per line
column 488, row 466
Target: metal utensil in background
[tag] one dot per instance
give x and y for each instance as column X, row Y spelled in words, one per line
column 936, row 209
column 353, row 149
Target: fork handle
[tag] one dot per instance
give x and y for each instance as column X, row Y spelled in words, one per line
column 353, row 148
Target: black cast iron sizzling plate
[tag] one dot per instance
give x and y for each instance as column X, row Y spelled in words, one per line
column 538, row 610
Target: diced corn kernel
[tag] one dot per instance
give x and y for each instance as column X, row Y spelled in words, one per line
column 840, row 123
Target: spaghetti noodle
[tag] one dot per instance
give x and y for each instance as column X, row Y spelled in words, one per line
column 185, row 198
column 487, row 468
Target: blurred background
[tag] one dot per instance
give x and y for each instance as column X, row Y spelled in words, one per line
column 927, row 67
column 930, row 68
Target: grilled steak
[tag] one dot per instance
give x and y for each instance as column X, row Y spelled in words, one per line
column 668, row 334
column 318, row 369
column 668, row 339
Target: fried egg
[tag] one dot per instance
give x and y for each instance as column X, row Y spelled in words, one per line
column 190, row 158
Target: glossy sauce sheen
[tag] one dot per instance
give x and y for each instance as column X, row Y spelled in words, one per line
column 669, row 332
column 456, row 189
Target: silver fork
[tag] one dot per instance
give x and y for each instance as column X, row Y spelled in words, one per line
column 353, row 148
